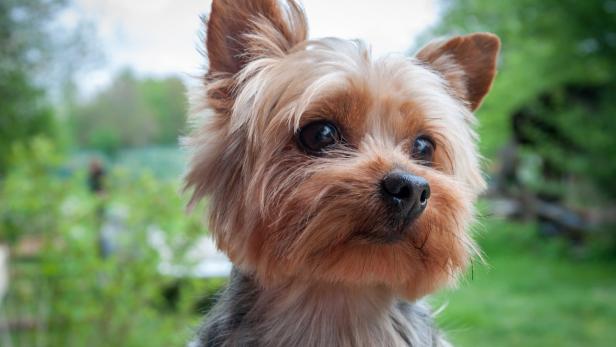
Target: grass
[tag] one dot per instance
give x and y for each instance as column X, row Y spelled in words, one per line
column 530, row 293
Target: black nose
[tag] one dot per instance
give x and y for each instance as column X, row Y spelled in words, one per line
column 407, row 194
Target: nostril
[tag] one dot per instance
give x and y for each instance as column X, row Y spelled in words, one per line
column 423, row 199
column 424, row 196
column 404, row 193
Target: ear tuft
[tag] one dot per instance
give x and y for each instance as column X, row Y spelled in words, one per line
column 237, row 30
column 467, row 62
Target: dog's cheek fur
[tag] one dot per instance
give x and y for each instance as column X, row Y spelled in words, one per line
column 216, row 172
column 302, row 219
column 435, row 250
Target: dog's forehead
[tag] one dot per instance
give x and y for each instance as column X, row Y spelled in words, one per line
column 390, row 93
column 389, row 97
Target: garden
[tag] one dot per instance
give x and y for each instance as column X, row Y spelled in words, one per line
column 95, row 238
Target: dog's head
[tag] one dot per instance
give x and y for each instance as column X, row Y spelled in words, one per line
column 324, row 164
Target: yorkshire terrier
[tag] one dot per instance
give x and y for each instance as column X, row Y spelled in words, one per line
column 340, row 186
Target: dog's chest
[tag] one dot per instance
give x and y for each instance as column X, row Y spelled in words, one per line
column 247, row 315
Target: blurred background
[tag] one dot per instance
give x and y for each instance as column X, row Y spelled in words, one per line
column 96, row 248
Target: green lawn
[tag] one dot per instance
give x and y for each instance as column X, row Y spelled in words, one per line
column 530, row 294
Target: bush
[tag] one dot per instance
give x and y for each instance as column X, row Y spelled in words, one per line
column 73, row 295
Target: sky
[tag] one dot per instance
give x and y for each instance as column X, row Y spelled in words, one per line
column 160, row 37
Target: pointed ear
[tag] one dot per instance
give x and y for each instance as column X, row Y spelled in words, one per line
column 240, row 30
column 467, row 62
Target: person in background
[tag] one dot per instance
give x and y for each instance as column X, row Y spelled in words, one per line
column 96, row 177
column 96, row 184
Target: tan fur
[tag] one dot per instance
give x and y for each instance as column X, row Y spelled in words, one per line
column 285, row 217
column 467, row 62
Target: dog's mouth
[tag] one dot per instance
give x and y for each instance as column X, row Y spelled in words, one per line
column 386, row 234
column 372, row 238
column 397, row 228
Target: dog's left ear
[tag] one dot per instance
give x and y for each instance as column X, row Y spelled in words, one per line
column 468, row 63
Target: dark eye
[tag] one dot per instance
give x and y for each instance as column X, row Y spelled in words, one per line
column 316, row 136
column 423, row 150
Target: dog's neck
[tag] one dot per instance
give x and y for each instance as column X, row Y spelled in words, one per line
column 307, row 314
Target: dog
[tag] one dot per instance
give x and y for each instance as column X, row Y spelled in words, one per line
column 341, row 186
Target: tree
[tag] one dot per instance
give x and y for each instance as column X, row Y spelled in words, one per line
column 131, row 113
column 550, row 49
column 37, row 55
column 552, row 103
column 167, row 99
column 24, row 110
column 546, row 44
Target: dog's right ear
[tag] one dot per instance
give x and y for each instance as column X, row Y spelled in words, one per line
column 468, row 63
column 239, row 31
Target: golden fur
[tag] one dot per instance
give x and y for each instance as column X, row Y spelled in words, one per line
column 283, row 216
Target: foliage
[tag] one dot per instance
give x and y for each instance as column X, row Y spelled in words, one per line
column 167, row 99
column 557, row 67
column 132, row 112
column 89, row 300
column 24, row 111
column 36, row 54
column 572, row 129
column 33, row 190
column 548, row 124
column 546, row 45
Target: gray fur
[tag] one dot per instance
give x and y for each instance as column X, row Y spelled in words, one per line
column 246, row 315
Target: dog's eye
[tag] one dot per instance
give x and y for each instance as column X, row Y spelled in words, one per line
column 423, row 150
column 316, row 136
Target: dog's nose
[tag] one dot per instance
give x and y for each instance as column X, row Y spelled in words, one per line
column 406, row 193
